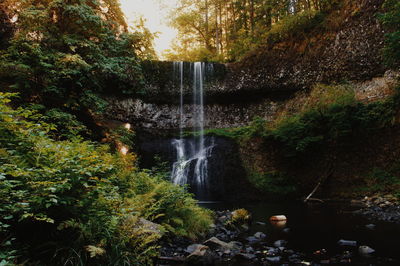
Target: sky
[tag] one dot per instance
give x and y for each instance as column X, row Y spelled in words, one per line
column 155, row 13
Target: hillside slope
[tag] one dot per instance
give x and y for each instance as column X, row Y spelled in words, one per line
column 346, row 45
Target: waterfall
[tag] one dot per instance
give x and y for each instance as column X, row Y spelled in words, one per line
column 191, row 165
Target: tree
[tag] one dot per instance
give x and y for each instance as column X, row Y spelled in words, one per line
column 230, row 28
column 65, row 52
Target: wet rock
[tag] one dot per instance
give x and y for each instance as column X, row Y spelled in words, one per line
column 280, row 243
column 249, row 250
column 274, row 260
column 197, row 251
column 246, row 256
column 272, row 252
column 215, row 243
column 223, row 219
column 370, row 226
column 260, row 235
column 260, row 223
column 194, row 247
column 252, row 240
column 365, row 251
column 349, row 243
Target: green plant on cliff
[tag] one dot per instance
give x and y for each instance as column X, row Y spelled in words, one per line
column 383, row 180
column 294, row 26
column 75, row 202
column 273, row 183
column 313, row 125
column 391, row 21
column 330, row 116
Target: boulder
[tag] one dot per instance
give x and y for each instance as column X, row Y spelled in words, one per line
column 215, row 243
column 276, row 218
column 349, row 243
column 246, row 256
column 365, row 251
column 195, row 247
column 201, row 255
column 280, row 243
column 260, row 235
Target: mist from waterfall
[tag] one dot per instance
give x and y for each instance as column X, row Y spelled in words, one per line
column 191, row 165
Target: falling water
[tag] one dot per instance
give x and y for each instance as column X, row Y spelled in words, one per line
column 192, row 153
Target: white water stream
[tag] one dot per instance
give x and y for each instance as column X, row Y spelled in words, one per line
column 191, row 166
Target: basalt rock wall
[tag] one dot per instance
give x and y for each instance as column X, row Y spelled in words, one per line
column 167, row 116
column 347, row 48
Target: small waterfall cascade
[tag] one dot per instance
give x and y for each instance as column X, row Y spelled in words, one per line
column 191, row 165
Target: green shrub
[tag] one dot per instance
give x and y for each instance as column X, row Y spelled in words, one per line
column 295, row 26
column 383, row 180
column 80, row 203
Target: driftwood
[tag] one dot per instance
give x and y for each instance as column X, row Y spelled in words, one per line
column 312, row 192
column 177, row 259
column 321, row 181
column 314, row 199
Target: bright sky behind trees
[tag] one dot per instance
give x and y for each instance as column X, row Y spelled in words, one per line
column 155, row 13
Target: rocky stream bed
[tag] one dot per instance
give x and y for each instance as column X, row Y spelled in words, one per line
column 230, row 241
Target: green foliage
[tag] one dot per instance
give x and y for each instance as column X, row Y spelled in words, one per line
column 80, row 203
column 64, row 125
column 225, row 30
column 124, row 136
column 293, row 26
column 240, row 216
column 65, row 53
column 383, row 180
column 274, row 183
column 391, row 21
column 329, row 115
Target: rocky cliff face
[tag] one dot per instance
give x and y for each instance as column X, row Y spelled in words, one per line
column 167, row 116
column 349, row 48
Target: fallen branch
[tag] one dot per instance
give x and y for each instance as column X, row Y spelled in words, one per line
column 315, row 199
column 178, row 259
column 329, row 173
column 312, row 192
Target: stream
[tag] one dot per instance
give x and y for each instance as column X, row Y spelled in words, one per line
column 315, row 227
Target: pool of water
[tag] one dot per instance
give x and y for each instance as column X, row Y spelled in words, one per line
column 319, row 226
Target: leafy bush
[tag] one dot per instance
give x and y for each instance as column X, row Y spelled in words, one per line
column 75, row 202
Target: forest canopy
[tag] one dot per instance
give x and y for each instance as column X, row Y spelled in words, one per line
column 69, row 51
